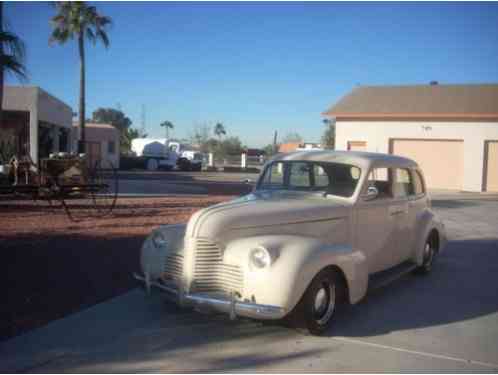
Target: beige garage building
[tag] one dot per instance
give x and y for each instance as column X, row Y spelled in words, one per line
column 450, row 130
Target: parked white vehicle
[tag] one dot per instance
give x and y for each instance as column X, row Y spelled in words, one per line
column 162, row 153
column 319, row 229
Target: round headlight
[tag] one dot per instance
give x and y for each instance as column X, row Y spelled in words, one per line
column 259, row 257
column 158, row 239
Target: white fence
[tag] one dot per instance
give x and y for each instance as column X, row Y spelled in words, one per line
column 241, row 161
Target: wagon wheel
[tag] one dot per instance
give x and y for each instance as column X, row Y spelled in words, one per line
column 103, row 188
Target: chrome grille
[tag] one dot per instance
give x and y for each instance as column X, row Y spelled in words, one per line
column 211, row 274
column 173, row 267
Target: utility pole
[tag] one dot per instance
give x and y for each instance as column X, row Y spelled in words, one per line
column 275, row 142
column 143, row 123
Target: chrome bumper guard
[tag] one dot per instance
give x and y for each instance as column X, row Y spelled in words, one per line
column 231, row 306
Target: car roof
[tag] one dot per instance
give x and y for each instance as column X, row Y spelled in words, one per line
column 358, row 158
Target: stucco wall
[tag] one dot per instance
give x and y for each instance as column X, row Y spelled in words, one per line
column 378, row 133
column 54, row 111
column 101, row 134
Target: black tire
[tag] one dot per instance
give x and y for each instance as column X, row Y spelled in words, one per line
column 183, row 164
column 316, row 310
column 430, row 251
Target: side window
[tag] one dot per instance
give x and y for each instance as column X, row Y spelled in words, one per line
column 380, row 178
column 321, row 177
column 299, row 175
column 274, row 176
column 403, row 185
column 418, row 185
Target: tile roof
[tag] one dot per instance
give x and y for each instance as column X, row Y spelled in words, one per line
column 420, row 101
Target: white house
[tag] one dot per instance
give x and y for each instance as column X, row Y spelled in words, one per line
column 102, row 143
column 450, row 130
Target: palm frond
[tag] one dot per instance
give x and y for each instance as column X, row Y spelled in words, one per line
column 101, row 35
column 90, row 35
column 10, row 64
column 74, row 18
column 13, row 45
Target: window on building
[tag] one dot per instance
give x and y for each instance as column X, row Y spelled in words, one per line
column 111, row 147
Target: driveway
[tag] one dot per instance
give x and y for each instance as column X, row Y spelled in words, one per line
column 446, row 321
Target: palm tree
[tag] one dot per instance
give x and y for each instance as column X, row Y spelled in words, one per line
column 76, row 20
column 167, row 125
column 12, row 53
column 219, row 130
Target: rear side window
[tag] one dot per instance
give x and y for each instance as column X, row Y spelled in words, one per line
column 418, row 185
column 403, row 185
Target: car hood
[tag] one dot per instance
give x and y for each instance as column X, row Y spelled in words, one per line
column 259, row 211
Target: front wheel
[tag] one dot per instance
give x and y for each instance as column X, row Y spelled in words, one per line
column 316, row 309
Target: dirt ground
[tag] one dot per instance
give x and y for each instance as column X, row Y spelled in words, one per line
column 52, row 266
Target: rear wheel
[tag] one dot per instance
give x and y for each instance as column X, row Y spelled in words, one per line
column 429, row 255
column 316, row 309
column 184, row 164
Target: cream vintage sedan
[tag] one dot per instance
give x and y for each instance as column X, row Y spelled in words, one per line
column 321, row 228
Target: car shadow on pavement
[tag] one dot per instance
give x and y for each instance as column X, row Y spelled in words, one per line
column 461, row 286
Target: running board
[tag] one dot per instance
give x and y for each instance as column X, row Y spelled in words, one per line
column 382, row 278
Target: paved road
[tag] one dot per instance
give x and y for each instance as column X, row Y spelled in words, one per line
column 166, row 183
column 447, row 321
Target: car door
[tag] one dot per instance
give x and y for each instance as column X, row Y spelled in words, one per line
column 417, row 202
column 375, row 223
column 402, row 192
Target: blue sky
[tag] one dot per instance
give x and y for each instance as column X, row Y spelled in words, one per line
column 258, row 67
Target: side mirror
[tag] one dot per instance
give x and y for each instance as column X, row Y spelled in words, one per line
column 372, row 193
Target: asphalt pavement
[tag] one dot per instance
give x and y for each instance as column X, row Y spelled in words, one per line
column 446, row 321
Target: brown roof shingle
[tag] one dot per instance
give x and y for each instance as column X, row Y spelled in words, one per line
column 421, row 101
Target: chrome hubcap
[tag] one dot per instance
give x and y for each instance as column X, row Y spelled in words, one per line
column 324, row 303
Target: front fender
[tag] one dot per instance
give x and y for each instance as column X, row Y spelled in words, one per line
column 153, row 258
column 295, row 262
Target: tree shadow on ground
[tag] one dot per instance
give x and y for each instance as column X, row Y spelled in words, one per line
column 47, row 277
column 453, row 203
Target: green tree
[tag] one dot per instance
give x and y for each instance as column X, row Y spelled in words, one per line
column 292, row 137
column 328, row 137
column 121, row 122
column 76, row 20
column 12, row 56
column 167, row 125
column 270, row 150
column 229, row 146
column 219, row 130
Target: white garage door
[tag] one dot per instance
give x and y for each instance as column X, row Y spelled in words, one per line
column 492, row 166
column 440, row 160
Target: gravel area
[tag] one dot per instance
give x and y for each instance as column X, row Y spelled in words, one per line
column 52, row 266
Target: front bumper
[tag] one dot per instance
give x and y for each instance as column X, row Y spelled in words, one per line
column 230, row 305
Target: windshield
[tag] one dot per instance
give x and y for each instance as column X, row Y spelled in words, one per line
column 331, row 178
